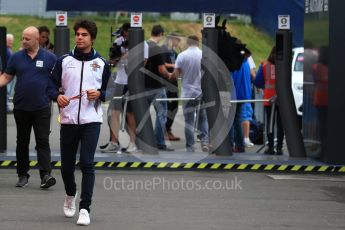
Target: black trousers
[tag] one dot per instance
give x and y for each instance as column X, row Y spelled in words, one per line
column 172, row 110
column 280, row 130
column 70, row 137
column 40, row 121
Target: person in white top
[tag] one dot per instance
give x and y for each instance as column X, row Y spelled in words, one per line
column 188, row 67
column 9, row 51
column 252, row 67
column 78, row 84
column 120, row 88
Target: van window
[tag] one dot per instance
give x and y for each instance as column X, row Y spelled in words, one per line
column 299, row 62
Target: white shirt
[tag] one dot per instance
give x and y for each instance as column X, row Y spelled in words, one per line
column 189, row 62
column 251, row 63
column 121, row 75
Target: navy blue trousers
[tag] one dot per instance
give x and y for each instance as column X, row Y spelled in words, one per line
column 70, row 137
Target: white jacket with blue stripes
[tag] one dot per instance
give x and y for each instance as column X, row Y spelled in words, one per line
column 73, row 75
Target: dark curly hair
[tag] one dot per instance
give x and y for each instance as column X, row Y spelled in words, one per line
column 90, row 26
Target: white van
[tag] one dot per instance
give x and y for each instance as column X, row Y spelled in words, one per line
column 297, row 77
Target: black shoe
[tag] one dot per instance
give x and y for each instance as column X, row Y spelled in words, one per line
column 279, row 151
column 47, row 181
column 164, row 148
column 23, row 181
column 269, row 151
column 104, row 146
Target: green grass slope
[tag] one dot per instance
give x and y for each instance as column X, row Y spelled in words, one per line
column 258, row 42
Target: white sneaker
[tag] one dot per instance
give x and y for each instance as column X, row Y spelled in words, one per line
column 112, row 148
column 132, row 148
column 84, row 217
column 69, row 205
column 248, row 143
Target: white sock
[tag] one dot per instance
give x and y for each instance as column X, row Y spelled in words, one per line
column 246, row 140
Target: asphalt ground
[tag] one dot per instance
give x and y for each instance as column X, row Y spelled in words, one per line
column 177, row 199
column 181, row 200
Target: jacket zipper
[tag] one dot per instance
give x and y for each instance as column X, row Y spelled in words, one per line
column 80, row 90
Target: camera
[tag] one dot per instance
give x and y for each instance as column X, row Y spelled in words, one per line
column 115, row 51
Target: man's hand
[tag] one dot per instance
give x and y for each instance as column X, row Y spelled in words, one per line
column 170, row 76
column 176, row 73
column 5, row 79
column 93, row 94
column 62, row 101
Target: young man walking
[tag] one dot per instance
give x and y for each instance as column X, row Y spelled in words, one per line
column 79, row 83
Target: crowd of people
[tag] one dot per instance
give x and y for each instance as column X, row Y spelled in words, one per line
column 163, row 70
column 78, row 82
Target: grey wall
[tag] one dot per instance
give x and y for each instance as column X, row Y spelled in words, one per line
column 25, row 7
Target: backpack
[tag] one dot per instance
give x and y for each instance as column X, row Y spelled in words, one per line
column 256, row 132
column 230, row 49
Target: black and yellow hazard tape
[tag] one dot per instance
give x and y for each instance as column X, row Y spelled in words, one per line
column 199, row 166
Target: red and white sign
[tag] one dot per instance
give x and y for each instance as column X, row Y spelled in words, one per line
column 136, row 19
column 61, row 18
